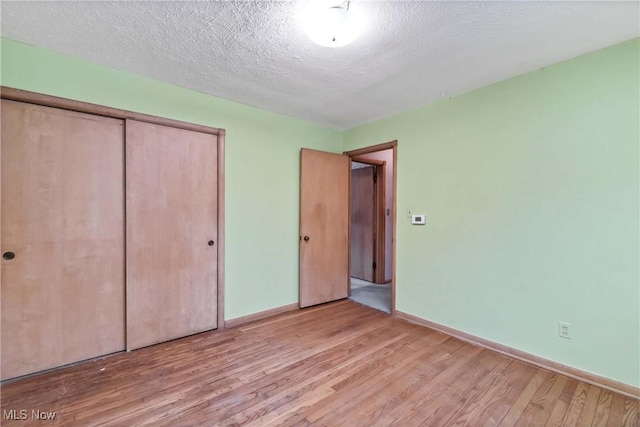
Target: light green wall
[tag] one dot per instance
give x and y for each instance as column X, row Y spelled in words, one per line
column 530, row 187
column 262, row 155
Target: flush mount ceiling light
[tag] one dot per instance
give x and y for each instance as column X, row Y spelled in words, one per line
column 333, row 25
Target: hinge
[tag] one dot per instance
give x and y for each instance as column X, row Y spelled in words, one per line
column 375, row 177
column 374, row 265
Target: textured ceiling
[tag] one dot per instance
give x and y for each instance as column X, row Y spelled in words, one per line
column 411, row 53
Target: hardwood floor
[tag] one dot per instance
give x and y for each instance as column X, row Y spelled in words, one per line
column 340, row 364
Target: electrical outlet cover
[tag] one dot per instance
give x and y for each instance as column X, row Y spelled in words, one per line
column 564, row 330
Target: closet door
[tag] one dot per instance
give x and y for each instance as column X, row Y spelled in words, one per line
column 171, row 187
column 62, row 237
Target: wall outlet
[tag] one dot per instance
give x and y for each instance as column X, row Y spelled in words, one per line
column 564, row 330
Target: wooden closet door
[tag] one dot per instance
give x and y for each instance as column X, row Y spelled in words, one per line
column 63, row 218
column 171, row 189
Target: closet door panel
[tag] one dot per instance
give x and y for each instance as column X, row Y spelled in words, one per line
column 171, row 186
column 63, row 218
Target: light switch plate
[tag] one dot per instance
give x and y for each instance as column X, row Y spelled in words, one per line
column 418, row 219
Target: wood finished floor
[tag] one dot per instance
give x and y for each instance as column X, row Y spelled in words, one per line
column 335, row 365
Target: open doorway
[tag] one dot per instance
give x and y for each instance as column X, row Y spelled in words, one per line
column 372, row 226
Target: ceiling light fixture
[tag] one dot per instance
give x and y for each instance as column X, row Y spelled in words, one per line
column 334, row 25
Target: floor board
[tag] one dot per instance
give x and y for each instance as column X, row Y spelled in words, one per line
column 338, row 364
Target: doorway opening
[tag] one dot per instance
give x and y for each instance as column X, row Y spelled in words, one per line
column 372, row 195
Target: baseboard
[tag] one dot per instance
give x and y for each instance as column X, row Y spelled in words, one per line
column 549, row 365
column 260, row 315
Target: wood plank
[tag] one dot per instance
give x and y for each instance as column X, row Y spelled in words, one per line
column 447, row 404
column 217, row 377
column 287, row 401
column 63, row 217
column 602, row 409
column 539, row 408
column 590, row 405
column 498, row 401
column 523, row 400
column 254, row 386
column 576, row 406
column 616, row 411
column 447, row 367
column 424, row 364
column 171, row 186
column 631, row 415
column 338, row 364
column 487, row 406
column 562, row 404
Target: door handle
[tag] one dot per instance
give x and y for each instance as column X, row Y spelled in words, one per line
column 8, row 256
column 306, row 238
column 211, row 243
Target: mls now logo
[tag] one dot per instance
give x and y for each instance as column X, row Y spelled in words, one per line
column 23, row 414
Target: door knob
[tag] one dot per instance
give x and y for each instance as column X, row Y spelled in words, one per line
column 211, row 243
column 8, row 256
column 306, row 238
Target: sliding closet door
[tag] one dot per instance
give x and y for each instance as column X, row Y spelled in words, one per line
column 62, row 237
column 171, row 233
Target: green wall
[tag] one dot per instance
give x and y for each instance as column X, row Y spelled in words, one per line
column 262, row 155
column 530, row 187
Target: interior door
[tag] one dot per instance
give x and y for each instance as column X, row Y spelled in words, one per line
column 62, row 237
column 363, row 222
column 324, row 227
column 171, row 181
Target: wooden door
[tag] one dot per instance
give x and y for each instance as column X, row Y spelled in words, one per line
column 171, row 179
column 63, row 219
column 363, row 222
column 324, row 227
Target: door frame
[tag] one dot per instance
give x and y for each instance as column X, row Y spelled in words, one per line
column 100, row 110
column 368, row 150
column 379, row 229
